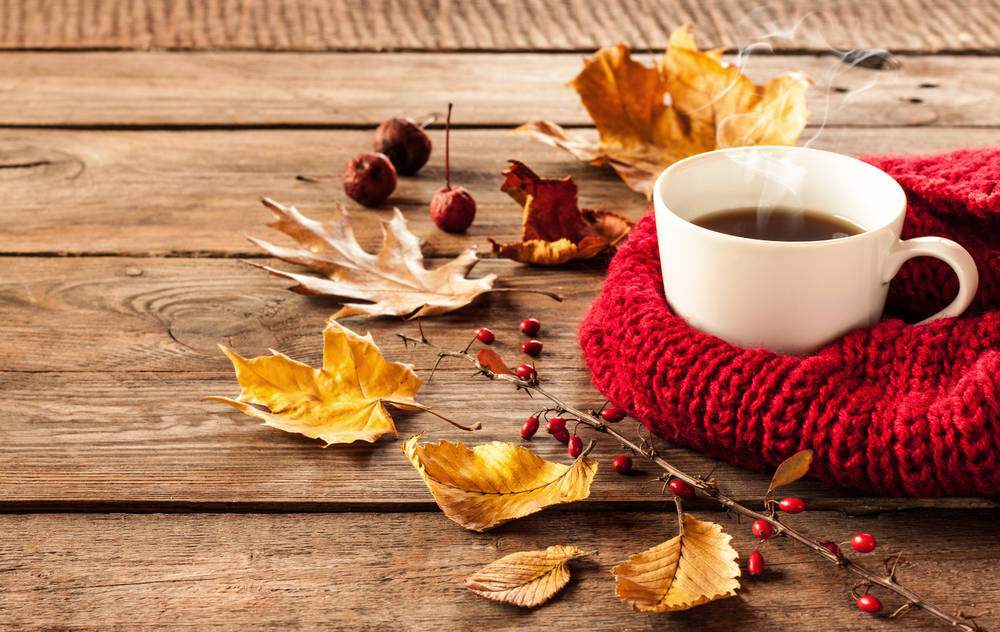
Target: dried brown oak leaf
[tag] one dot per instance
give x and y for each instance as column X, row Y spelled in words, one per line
column 690, row 102
column 340, row 403
column 696, row 567
column 526, row 578
column 555, row 229
column 394, row 280
column 496, row 482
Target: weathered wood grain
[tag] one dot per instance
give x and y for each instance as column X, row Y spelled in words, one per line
column 405, row 572
column 106, row 360
column 262, row 89
column 153, row 193
column 491, row 24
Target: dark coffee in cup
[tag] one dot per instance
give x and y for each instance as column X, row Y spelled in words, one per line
column 778, row 223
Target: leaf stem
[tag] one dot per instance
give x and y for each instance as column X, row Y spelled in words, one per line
column 710, row 489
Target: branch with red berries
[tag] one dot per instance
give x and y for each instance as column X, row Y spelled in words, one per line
column 766, row 524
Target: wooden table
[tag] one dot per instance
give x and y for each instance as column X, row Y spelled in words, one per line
column 137, row 139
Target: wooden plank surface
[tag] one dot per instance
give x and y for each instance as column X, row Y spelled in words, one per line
column 107, row 359
column 363, row 89
column 492, row 24
column 405, row 572
column 162, row 192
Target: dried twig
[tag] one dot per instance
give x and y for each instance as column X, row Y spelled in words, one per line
column 710, row 489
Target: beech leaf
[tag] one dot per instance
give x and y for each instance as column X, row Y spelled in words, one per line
column 340, row 403
column 395, row 280
column 791, row 469
column 696, row 567
column 526, row 578
column 555, row 229
column 688, row 103
column 496, row 482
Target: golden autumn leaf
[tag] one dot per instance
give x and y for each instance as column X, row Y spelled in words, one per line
column 688, row 103
column 395, row 280
column 496, row 482
column 526, row 578
column 340, row 403
column 696, row 567
column 555, row 229
column 791, row 469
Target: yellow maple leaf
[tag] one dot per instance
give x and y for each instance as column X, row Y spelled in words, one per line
column 496, row 482
column 526, row 578
column 696, row 567
column 711, row 106
column 340, row 403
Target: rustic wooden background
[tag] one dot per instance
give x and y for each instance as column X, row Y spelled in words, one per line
column 136, row 138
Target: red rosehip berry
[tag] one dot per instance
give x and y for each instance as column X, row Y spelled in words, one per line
column 532, row 347
column 831, row 547
column 575, row 446
column 622, row 464
column 755, row 565
column 792, row 505
column 762, row 529
column 485, row 336
column 863, row 543
column 556, row 423
column 529, row 428
column 525, row 371
column 682, row 489
column 369, row 179
column 562, row 435
column 530, row 326
column 612, row 415
column 869, row 603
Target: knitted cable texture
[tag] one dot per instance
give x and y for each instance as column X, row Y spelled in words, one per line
column 896, row 408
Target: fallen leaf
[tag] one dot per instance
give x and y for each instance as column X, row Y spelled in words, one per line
column 791, row 469
column 555, row 229
column 526, row 578
column 340, row 403
column 496, row 482
column 696, row 567
column 491, row 360
column 688, row 103
column 394, row 280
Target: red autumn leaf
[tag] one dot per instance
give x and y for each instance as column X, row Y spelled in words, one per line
column 555, row 228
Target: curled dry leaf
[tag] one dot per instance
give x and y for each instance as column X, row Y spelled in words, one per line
column 526, row 578
column 696, row 567
column 555, row 229
column 649, row 118
column 791, row 469
column 496, row 482
column 340, row 403
column 394, row 280
column 490, row 359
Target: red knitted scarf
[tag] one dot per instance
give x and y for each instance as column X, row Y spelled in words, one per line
column 893, row 409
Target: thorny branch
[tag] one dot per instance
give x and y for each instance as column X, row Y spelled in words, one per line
column 710, row 489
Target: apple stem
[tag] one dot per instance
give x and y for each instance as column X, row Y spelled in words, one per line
column 447, row 150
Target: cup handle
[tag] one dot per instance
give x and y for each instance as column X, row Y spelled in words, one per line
column 948, row 251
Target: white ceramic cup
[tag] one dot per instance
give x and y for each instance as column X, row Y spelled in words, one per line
column 788, row 297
